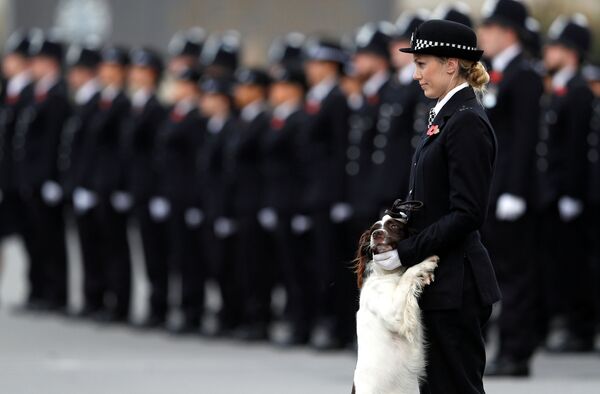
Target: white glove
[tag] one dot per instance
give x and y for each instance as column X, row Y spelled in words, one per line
column 569, row 208
column 84, row 200
column 160, row 208
column 193, row 217
column 224, row 227
column 510, row 207
column 301, row 224
column 52, row 193
column 340, row 212
column 121, row 201
column 387, row 260
column 267, row 217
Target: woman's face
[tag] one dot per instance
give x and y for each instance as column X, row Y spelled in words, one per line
column 434, row 76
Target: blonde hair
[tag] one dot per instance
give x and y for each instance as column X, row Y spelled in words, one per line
column 474, row 73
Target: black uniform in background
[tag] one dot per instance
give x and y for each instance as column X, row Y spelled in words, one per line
column 513, row 106
column 140, row 134
column 107, row 176
column 594, row 196
column 323, row 148
column 282, row 186
column 252, row 259
column 220, row 230
column 562, row 170
column 35, row 147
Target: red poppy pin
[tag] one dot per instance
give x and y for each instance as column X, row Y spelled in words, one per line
column 433, row 130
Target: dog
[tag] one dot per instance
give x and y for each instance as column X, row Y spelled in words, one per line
column 391, row 342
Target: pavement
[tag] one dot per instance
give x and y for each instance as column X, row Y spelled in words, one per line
column 44, row 354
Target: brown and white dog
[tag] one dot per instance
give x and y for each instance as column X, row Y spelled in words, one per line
column 391, row 356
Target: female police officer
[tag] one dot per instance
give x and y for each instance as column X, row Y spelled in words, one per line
column 451, row 174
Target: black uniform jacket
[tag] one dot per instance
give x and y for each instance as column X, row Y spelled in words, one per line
column 515, row 118
column 451, row 175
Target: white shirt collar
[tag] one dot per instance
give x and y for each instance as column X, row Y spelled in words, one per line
column 322, row 89
column 45, row 84
column 440, row 104
column 184, row 107
column 252, row 110
column 283, row 111
column 215, row 124
column 372, row 86
column 355, row 101
column 110, row 92
column 85, row 93
column 562, row 77
column 17, row 83
column 140, row 98
column 501, row 60
column 405, row 75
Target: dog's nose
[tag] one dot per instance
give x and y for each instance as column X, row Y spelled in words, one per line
column 378, row 235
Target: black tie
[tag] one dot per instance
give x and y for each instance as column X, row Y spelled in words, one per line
column 431, row 117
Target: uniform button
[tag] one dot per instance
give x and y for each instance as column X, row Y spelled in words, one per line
column 352, row 168
column 551, row 117
column 380, row 141
column 592, row 139
column 593, row 155
column 542, row 164
column 386, row 110
column 541, row 149
column 378, row 157
column 414, row 141
column 397, row 109
column 383, row 125
column 353, row 153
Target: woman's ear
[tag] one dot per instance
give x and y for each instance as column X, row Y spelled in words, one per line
column 451, row 65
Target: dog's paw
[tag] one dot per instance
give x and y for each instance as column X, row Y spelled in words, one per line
column 424, row 270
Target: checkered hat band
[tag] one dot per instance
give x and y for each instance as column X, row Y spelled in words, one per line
column 422, row 44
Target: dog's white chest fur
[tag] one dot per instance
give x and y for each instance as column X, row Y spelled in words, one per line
column 391, row 357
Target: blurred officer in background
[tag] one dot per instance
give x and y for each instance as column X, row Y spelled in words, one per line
column 165, row 231
column 176, row 249
column 287, row 52
column 35, row 147
column 323, row 150
column 457, row 11
column 140, row 133
column 184, row 52
column 244, row 167
column 103, row 187
column 513, row 106
column 216, row 105
column 282, row 184
column 16, row 93
column 220, row 55
column 562, row 168
column 592, row 75
column 372, row 65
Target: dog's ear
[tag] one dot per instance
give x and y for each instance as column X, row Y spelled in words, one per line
column 363, row 255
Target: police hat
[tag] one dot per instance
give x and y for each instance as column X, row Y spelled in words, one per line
column 115, row 55
column 408, row 22
column 188, row 75
column 252, row 76
column 445, row 39
column 510, row 13
column 187, row 42
column 572, row 32
column 289, row 75
column 18, row 43
column 324, row 50
column 87, row 57
column 375, row 38
column 287, row 51
column 456, row 12
column 146, row 57
column 217, row 85
column 222, row 51
column 45, row 45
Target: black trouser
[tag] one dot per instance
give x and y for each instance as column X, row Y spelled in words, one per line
column 45, row 239
column 115, row 257
column 221, row 254
column 185, row 259
column 255, row 273
column 512, row 250
column 292, row 262
column 155, row 246
column 455, row 351
column 94, row 275
column 593, row 226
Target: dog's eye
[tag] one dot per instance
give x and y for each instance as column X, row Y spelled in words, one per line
column 394, row 226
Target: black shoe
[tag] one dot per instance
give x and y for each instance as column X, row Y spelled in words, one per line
column 252, row 332
column 153, row 322
column 187, row 326
column 572, row 344
column 504, row 366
